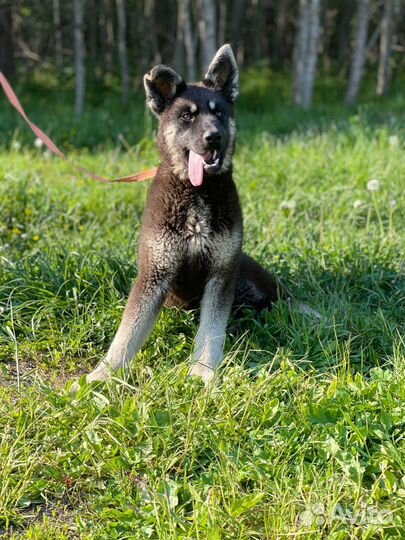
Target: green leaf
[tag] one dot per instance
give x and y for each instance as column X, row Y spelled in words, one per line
column 242, row 505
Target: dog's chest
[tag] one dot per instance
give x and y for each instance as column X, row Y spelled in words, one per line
column 198, row 231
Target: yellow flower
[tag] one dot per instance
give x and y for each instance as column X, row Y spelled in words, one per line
column 35, row 238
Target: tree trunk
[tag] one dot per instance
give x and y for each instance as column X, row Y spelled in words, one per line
column 359, row 53
column 7, row 63
column 385, row 48
column 79, row 56
column 306, row 52
column 122, row 51
column 301, row 51
column 208, row 32
column 189, row 41
column 312, row 54
column 58, row 35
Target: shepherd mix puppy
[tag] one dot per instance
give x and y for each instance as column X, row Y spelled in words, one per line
column 190, row 248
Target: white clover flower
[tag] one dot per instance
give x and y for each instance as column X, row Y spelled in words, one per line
column 288, row 205
column 38, row 143
column 392, row 203
column 373, row 185
column 16, row 145
column 393, row 141
column 357, row 203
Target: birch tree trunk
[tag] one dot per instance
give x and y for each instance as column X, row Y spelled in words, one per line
column 359, row 53
column 385, row 48
column 122, row 51
column 312, row 53
column 58, row 35
column 301, row 51
column 80, row 71
column 208, row 32
column 306, row 52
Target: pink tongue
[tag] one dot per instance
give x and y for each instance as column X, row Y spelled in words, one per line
column 195, row 168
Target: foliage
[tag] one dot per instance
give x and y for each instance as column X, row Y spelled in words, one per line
column 302, row 434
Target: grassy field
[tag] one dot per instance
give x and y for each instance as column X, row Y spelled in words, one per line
column 302, row 434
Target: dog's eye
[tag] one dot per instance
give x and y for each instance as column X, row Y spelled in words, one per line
column 187, row 116
column 218, row 114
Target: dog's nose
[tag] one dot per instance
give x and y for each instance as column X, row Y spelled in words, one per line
column 212, row 137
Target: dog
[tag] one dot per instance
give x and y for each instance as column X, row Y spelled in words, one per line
column 190, row 246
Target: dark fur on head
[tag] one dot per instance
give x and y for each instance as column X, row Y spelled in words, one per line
column 188, row 112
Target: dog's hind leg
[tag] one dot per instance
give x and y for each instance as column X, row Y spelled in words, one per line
column 256, row 288
column 215, row 309
column 143, row 306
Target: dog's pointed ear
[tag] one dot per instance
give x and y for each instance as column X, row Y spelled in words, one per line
column 162, row 84
column 222, row 75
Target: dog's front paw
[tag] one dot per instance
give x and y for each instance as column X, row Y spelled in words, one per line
column 201, row 370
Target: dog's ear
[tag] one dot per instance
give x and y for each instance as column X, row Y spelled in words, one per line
column 222, row 75
column 162, row 85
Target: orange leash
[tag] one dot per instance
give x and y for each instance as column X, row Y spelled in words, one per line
column 13, row 99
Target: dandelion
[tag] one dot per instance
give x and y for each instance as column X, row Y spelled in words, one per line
column 392, row 203
column 38, row 143
column 47, row 154
column 288, row 205
column 393, row 141
column 35, row 238
column 357, row 203
column 16, row 145
column 373, row 185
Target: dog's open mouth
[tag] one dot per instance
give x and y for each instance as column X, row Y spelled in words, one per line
column 210, row 162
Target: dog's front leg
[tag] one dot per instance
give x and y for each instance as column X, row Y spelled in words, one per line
column 209, row 343
column 144, row 304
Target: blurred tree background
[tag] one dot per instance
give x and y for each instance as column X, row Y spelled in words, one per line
column 95, row 42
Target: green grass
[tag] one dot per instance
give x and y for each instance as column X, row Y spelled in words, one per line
column 302, row 434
